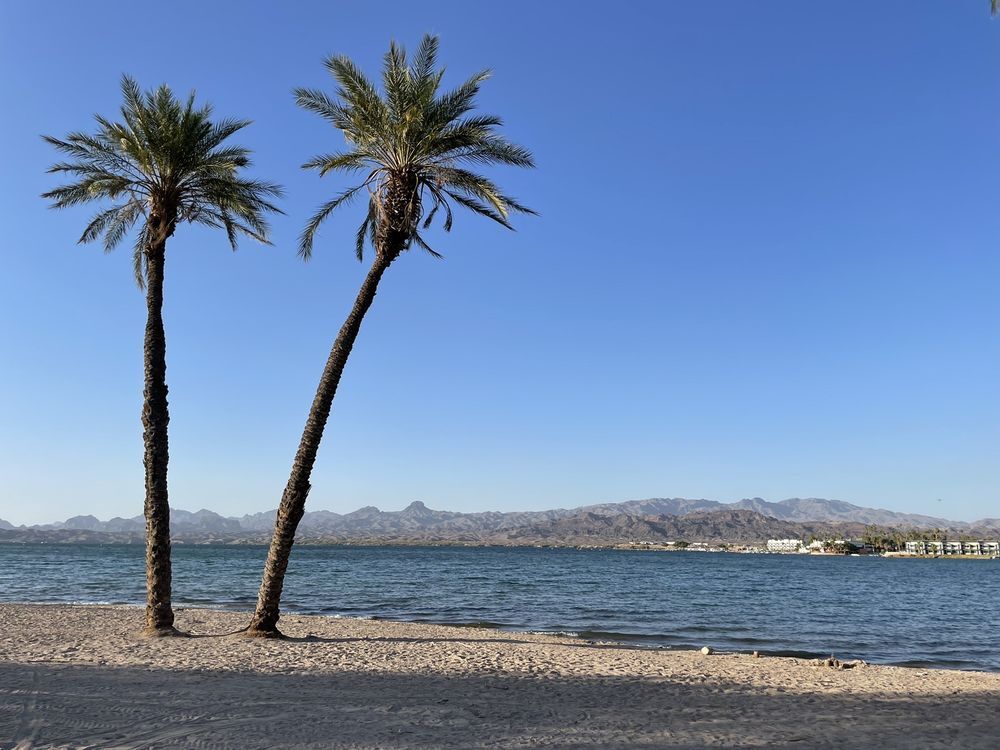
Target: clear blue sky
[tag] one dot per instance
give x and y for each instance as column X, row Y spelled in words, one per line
column 768, row 264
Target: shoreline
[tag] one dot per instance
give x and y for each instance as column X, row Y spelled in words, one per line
column 605, row 639
column 732, row 548
column 76, row 675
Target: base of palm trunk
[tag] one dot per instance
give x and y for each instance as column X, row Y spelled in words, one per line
column 264, row 624
column 151, row 631
column 264, row 633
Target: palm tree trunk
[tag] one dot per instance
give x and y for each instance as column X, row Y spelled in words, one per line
column 293, row 500
column 155, row 416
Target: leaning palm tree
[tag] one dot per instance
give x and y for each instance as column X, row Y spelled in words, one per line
column 416, row 148
column 164, row 164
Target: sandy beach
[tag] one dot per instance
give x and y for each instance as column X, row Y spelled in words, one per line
column 78, row 676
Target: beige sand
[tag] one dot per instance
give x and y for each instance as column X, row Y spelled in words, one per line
column 80, row 677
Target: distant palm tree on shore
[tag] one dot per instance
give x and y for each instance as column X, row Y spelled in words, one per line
column 416, row 148
column 163, row 165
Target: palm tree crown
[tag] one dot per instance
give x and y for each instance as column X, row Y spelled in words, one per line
column 165, row 163
column 416, row 146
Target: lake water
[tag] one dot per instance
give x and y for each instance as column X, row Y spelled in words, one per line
column 940, row 613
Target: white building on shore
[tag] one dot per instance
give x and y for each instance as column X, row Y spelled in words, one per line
column 785, row 545
column 953, row 548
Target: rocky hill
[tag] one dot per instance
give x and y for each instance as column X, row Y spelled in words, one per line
column 817, row 509
column 721, row 526
column 794, row 509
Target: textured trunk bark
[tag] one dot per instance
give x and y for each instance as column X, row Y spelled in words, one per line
column 155, row 416
column 293, row 500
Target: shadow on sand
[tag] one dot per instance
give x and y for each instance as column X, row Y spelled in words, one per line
column 48, row 705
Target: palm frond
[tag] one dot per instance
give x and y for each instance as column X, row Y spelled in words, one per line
column 425, row 59
column 367, row 228
column 328, row 162
column 222, row 131
column 369, row 114
column 455, row 104
column 394, row 80
column 119, row 226
column 439, row 200
column 480, row 208
column 494, row 150
column 96, row 226
column 415, row 237
column 317, row 101
column 309, row 233
column 139, row 250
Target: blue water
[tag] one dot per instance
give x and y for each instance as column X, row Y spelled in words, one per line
column 940, row 613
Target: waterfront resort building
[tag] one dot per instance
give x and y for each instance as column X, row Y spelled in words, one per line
column 784, row 545
column 953, row 548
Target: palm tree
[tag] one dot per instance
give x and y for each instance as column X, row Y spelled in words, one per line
column 163, row 165
column 416, row 148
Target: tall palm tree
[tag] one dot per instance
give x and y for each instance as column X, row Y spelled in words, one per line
column 416, row 148
column 164, row 164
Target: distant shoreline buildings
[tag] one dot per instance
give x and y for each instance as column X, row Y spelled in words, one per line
column 786, row 546
column 922, row 548
column 816, row 547
column 944, row 548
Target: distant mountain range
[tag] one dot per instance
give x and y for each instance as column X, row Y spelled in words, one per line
column 651, row 520
column 810, row 509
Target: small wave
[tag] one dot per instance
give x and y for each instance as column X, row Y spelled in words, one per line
column 82, row 603
column 610, row 635
column 940, row 664
column 481, row 624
